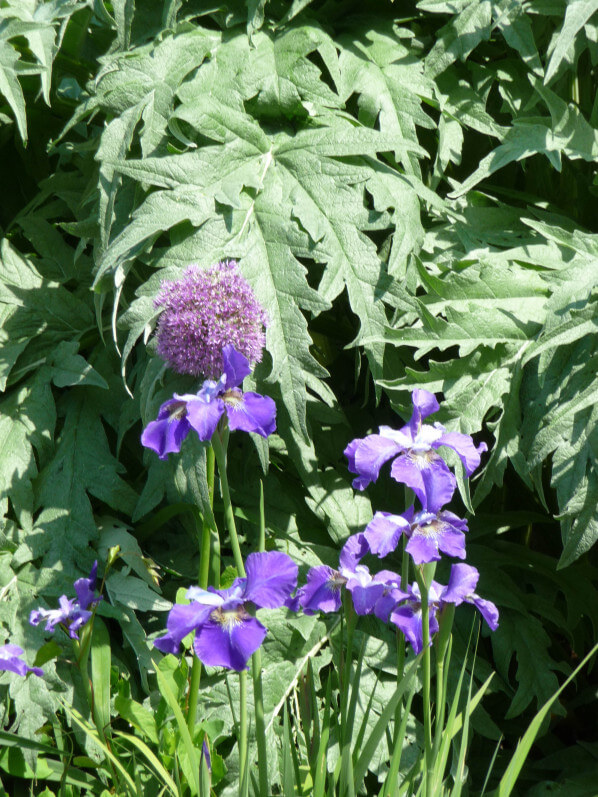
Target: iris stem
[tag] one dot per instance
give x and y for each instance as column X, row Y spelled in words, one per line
column 426, row 666
column 229, row 518
column 256, row 667
column 207, row 531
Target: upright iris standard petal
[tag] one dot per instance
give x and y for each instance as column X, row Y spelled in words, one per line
column 271, row 578
column 424, row 404
column 235, row 366
column 85, row 588
column 10, row 661
column 353, row 552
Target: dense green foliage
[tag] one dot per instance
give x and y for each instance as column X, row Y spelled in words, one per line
column 409, row 189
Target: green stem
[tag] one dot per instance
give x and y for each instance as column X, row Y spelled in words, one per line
column 426, row 666
column 204, row 578
column 256, row 668
column 243, row 774
column 229, row 516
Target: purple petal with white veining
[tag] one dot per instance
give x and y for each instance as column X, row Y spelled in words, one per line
column 182, row 620
column 384, row 531
column 322, row 590
column 271, row 578
column 229, row 646
column 423, row 548
column 252, row 413
column 203, row 416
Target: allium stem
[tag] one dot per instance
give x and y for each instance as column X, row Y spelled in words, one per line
column 204, row 579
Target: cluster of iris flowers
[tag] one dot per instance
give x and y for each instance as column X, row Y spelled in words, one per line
column 227, row 633
column 430, row 531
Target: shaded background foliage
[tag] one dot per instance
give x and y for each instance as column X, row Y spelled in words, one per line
column 410, row 190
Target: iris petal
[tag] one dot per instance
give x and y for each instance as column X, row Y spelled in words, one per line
column 219, row 645
column 252, row 413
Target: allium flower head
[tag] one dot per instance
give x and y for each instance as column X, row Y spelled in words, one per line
column 72, row 612
column 205, row 310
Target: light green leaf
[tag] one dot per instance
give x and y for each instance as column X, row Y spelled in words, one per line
column 10, row 86
column 134, row 593
column 460, row 36
column 577, row 14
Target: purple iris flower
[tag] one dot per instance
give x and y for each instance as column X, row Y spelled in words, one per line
column 407, row 616
column 323, row 588
column 461, row 589
column 416, row 462
column 322, row 591
column 226, row 634
column 10, row 661
column 72, row 612
column 249, row 412
column 429, row 533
